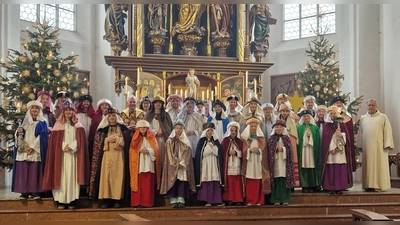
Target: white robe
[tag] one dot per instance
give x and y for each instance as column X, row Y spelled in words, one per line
column 374, row 135
column 86, row 121
column 194, row 125
column 254, row 167
column 69, row 187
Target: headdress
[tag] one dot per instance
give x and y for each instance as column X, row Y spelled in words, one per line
column 337, row 98
column 218, row 102
column 62, row 94
column 28, row 117
column 68, row 105
column 142, row 123
column 252, row 120
column 208, row 125
column 253, row 99
column 101, row 101
column 199, row 102
column 32, row 103
column 158, row 99
column 173, row 96
column 279, row 122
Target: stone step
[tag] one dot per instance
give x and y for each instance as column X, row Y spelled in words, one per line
column 267, row 212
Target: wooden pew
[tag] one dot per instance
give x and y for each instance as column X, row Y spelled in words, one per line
column 366, row 215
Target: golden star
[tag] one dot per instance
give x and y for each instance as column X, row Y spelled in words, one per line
column 296, row 101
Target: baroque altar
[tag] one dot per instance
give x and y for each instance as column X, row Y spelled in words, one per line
column 164, row 41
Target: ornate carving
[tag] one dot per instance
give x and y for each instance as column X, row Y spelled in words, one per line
column 259, row 53
column 189, row 41
column 221, row 44
column 189, row 38
column 118, row 48
column 158, row 41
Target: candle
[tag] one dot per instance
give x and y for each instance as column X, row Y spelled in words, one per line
column 185, row 93
column 247, row 77
column 127, row 96
column 181, row 92
column 137, row 93
column 126, row 84
column 255, row 88
column 212, row 95
column 202, row 95
column 216, row 90
column 176, row 91
column 138, row 76
column 169, row 88
column 250, row 95
column 208, row 94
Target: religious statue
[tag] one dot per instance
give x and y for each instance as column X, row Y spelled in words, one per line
column 222, row 19
column 193, row 83
column 114, row 27
column 189, row 19
column 157, row 17
column 260, row 19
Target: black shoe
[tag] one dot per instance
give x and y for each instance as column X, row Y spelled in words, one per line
column 181, row 205
column 239, row 203
column 117, row 205
column 331, row 192
column 23, row 196
column 105, row 206
column 229, row 203
column 339, row 192
column 175, row 205
column 36, row 196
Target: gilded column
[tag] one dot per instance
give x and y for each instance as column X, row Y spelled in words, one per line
column 164, row 77
column 117, row 83
column 247, row 33
column 219, row 86
column 241, row 35
column 134, row 48
column 171, row 46
column 208, row 31
column 139, row 31
column 130, row 25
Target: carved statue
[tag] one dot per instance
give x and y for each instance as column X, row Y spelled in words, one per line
column 189, row 19
column 157, row 17
column 221, row 15
column 260, row 19
column 114, row 23
column 193, row 83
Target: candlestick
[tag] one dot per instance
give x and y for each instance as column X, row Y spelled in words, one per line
column 181, row 92
column 208, row 94
column 138, row 75
column 247, row 77
column 202, row 95
column 126, row 84
column 255, row 88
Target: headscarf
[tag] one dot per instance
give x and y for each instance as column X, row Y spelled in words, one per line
column 28, row 117
column 104, row 122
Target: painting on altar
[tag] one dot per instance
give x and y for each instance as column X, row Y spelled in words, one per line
column 150, row 85
column 232, row 86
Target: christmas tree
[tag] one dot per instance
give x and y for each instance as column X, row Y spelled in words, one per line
column 39, row 67
column 322, row 79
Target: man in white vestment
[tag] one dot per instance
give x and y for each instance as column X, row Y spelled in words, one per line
column 375, row 139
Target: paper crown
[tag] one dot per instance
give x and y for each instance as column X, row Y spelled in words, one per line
column 174, row 96
column 68, row 105
column 232, row 97
column 158, row 99
column 279, row 122
column 208, row 125
column 252, row 120
column 337, row 98
column 142, row 123
column 85, row 97
column 34, row 102
column 62, row 94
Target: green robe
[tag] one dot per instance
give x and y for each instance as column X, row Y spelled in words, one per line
column 310, row 177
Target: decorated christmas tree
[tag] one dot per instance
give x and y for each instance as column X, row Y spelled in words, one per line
column 39, row 67
column 322, row 79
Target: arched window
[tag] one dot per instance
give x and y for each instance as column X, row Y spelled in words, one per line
column 302, row 20
column 59, row 15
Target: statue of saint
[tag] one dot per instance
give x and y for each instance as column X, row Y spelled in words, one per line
column 189, row 19
column 221, row 15
column 114, row 22
column 260, row 19
column 193, row 83
column 157, row 17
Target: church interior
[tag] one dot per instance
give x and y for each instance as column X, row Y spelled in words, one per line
column 151, row 54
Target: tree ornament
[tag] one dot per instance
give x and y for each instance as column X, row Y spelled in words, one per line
column 37, row 65
column 317, row 87
column 36, row 54
column 56, row 72
column 48, row 66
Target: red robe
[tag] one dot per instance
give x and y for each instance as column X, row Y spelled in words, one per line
column 52, row 170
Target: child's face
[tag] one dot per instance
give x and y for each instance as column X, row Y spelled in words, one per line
column 285, row 112
column 278, row 129
column 233, row 131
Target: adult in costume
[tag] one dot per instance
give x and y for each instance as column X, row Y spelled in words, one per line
column 44, row 97
column 178, row 173
column 255, row 163
column 145, row 104
column 320, row 115
column 348, row 121
column 161, row 124
column 131, row 115
column 109, row 178
column 337, row 174
column 375, row 139
column 208, row 166
column 201, row 108
column 67, row 164
column 309, row 152
column 280, row 155
column 234, row 108
column 193, row 123
column 269, row 119
column 85, row 112
column 218, row 118
column 252, row 109
column 174, row 106
column 232, row 152
column 144, row 166
column 29, row 158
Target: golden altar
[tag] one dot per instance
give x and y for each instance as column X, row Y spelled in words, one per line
column 164, row 41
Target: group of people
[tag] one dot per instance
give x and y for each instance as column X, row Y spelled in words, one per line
column 225, row 153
